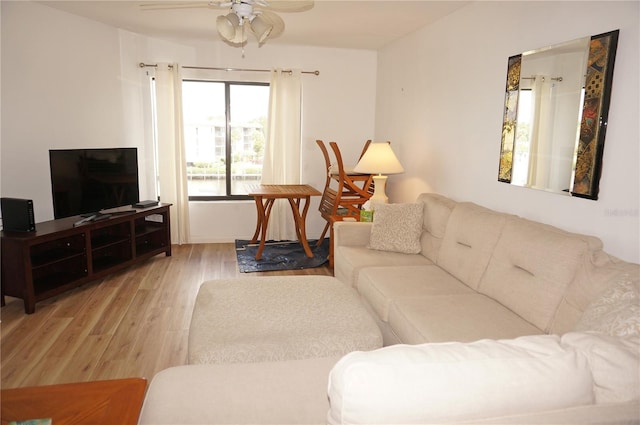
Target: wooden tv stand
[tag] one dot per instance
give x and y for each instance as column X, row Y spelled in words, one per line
column 58, row 256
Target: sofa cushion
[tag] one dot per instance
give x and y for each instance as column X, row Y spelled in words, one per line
column 350, row 260
column 617, row 311
column 456, row 317
column 379, row 286
column 397, row 228
column 531, row 267
column 436, row 383
column 595, row 274
column 437, row 210
column 472, row 232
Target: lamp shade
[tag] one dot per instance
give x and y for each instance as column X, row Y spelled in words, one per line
column 379, row 159
column 228, row 26
column 261, row 28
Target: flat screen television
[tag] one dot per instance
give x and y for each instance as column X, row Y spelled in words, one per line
column 85, row 181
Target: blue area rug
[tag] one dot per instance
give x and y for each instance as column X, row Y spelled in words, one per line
column 280, row 255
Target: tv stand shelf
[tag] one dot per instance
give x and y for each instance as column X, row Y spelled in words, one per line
column 58, row 257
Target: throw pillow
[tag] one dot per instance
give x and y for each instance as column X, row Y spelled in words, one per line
column 397, row 228
column 617, row 311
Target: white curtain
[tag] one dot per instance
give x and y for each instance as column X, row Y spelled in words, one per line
column 282, row 150
column 542, row 131
column 172, row 166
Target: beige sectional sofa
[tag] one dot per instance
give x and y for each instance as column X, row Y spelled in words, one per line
column 476, row 273
column 471, row 274
column 486, row 317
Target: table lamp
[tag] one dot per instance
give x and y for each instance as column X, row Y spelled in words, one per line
column 379, row 159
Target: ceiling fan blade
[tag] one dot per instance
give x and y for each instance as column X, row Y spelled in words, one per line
column 220, row 3
column 162, row 5
column 287, row 5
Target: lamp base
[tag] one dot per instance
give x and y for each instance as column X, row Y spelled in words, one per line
column 379, row 196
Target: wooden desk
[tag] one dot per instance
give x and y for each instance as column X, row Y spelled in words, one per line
column 266, row 194
column 109, row 402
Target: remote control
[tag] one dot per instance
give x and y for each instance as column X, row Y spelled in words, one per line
column 145, row 204
column 101, row 217
column 84, row 220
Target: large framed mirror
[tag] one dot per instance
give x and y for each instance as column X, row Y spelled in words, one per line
column 555, row 116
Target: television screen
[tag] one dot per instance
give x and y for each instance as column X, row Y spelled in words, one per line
column 86, row 181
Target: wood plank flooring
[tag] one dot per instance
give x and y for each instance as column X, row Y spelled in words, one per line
column 133, row 323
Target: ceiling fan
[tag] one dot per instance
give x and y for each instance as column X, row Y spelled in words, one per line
column 256, row 15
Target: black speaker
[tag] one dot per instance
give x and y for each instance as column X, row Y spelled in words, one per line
column 17, row 215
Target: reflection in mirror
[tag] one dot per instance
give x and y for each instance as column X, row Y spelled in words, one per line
column 551, row 86
column 551, row 139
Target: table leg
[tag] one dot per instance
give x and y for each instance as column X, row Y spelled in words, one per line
column 295, row 219
column 259, row 219
column 264, row 211
column 300, row 222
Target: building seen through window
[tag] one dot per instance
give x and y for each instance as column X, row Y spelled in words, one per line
column 225, row 133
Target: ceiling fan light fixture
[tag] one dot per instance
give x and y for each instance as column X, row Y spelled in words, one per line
column 261, row 28
column 241, row 36
column 254, row 16
column 227, row 26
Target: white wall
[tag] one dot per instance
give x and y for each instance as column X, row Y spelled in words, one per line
column 69, row 82
column 60, row 89
column 440, row 98
column 338, row 105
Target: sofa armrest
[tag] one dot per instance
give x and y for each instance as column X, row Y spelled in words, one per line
column 588, row 414
column 284, row 392
column 351, row 233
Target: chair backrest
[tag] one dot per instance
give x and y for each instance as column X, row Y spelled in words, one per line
column 343, row 190
column 364, row 149
column 329, row 202
column 354, row 189
column 327, row 161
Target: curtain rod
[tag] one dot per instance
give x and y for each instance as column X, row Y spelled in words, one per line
column 534, row 77
column 144, row 65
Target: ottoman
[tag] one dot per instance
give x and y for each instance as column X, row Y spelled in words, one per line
column 271, row 318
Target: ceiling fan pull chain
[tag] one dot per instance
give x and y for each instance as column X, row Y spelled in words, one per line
column 244, row 43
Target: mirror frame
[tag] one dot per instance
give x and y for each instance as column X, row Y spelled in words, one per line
column 594, row 116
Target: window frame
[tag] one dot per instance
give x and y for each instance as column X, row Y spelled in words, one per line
column 228, row 144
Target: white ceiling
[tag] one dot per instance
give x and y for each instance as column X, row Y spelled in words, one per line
column 357, row 24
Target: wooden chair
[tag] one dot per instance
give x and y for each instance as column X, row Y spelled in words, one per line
column 357, row 188
column 345, row 191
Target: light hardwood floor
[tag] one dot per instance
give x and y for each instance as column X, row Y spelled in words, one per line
column 133, row 323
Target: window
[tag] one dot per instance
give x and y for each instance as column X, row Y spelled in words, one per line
column 224, row 131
